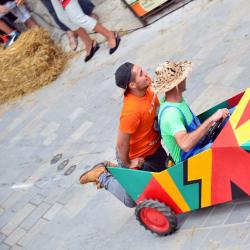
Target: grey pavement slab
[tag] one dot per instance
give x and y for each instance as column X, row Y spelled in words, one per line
column 17, row 219
column 4, row 247
column 197, row 218
column 35, row 216
column 2, row 237
column 239, row 213
column 12, row 239
column 35, row 230
column 5, row 217
column 37, row 199
column 77, row 116
column 218, row 215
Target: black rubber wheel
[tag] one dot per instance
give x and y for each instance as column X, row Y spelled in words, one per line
column 156, row 217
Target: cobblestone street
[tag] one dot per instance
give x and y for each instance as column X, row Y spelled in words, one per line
column 50, row 137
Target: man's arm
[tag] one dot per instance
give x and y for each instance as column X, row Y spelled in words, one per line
column 186, row 141
column 123, row 151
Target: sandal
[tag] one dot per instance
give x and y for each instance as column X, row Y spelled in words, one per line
column 94, row 48
column 117, row 42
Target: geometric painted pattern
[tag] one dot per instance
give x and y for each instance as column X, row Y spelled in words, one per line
column 217, row 175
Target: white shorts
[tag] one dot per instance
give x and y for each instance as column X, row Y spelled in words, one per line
column 20, row 11
column 73, row 16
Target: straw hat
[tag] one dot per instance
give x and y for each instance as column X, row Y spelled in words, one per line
column 170, row 74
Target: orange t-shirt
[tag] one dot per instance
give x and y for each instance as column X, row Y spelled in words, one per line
column 137, row 119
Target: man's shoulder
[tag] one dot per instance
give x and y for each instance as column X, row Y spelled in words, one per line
column 169, row 113
column 171, row 120
column 175, row 107
column 129, row 108
column 128, row 102
column 170, row 107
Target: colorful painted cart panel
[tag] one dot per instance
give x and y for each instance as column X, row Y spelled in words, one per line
column 217, row 175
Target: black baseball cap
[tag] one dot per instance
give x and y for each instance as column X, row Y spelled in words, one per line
column 123, row 75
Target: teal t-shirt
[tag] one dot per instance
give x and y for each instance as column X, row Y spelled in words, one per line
column 172, row 121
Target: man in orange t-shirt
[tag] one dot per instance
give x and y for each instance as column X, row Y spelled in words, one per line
column 138, row 143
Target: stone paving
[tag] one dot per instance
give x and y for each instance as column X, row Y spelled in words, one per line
column 50, row 137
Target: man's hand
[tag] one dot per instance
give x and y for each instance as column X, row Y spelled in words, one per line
column 136, row 163
column 19, row 2
column 186, row 141
column 219, row 114
column 3, row 9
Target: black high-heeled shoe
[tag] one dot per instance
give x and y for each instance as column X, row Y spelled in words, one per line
column 117, row 40
column 94, row 48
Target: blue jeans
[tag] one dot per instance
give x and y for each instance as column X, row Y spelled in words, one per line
column 154, row 163
column 109, row 182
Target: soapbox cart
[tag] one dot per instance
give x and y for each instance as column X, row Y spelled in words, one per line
column 216, row 175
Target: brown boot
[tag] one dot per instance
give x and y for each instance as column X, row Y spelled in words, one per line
column 93, row 174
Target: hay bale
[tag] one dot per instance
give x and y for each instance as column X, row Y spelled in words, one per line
column 33, row 61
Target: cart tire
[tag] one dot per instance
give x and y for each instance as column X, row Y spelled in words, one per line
column 156, row 217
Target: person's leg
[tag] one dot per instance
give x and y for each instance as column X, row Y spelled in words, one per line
column 30, row 23
column 99, row 175
column 73, row 43
column 156, row 162
column 63, row 17
column 5, row 28
column 70, row 34
column 113, row 186
column 109, row 35
column 153, row 163
column 12, row 34
column 77, row 16
column 24, row 16
column 89, row 44
column 9, row 19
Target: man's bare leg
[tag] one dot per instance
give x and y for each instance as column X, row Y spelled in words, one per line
column 30, row 23
column 85, row 38
column 110, row 35
column 72, row 39
column 5, row 28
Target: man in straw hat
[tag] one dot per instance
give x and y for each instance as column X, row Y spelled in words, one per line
column 138, row 144
column 180, row 129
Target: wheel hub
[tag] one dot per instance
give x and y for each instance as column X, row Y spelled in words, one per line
column 154, row 219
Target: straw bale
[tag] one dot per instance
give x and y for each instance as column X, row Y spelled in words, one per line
column 33, row 61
